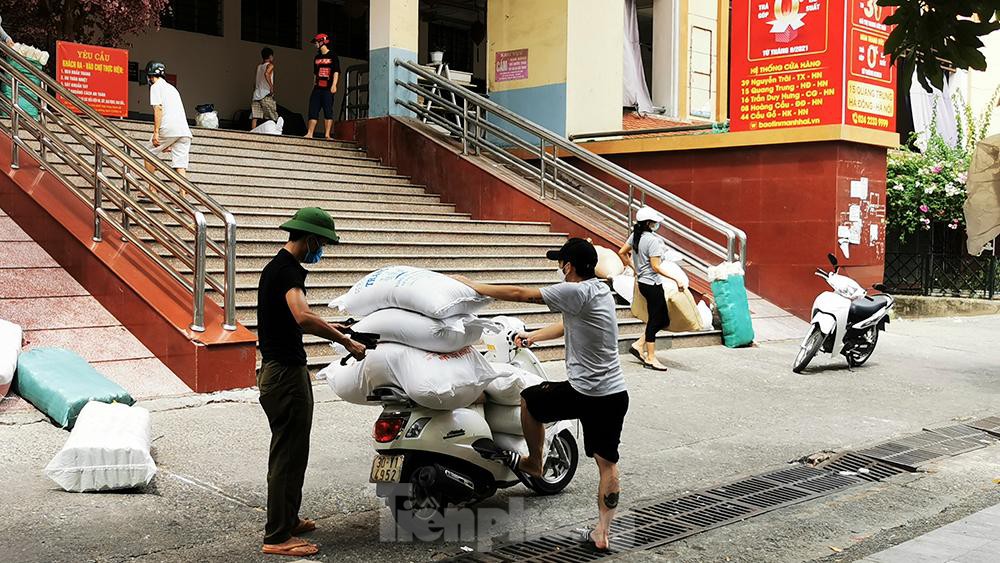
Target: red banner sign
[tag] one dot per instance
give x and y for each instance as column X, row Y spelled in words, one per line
column 788, row 65
column 97, row 75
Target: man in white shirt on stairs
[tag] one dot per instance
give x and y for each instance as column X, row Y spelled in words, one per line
column 171, row 134
column 263, row 105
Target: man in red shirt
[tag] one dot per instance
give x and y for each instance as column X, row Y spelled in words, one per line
column 326, row 71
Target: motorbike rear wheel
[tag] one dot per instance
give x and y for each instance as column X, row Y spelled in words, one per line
column 858, row 357
column 414, row 509
column 808, row 350
column 560, row 466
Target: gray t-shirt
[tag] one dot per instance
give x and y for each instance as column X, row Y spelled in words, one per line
column 588, row 312
column 649, row 245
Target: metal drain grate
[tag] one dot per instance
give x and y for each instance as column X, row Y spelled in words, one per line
column 911, row 452
column 989, row 424
column 965, row 433
column 852, row 464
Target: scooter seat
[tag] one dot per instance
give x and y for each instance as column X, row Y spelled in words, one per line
column 865, row 307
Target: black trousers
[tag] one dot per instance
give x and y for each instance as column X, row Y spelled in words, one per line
column 287, row 398
column 321, row 98
column 656, row 306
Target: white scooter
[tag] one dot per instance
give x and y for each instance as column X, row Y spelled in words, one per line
column 844, row 321
column 427, row 460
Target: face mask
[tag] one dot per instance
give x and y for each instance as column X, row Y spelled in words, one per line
column 562, row 272
column 313, row 256
column 654, row 226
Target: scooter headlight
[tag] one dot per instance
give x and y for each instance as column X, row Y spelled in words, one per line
column 388, row 427
column 417, row 427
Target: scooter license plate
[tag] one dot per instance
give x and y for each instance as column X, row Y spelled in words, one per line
column 387, row 469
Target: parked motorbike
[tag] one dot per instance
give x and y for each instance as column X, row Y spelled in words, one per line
column 844, row 321
column 427, row 460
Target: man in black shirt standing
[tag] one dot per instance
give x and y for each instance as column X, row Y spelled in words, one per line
column 326, row 73
column 283, row 316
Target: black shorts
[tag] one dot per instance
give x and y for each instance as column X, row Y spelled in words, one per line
column 601, row 417
column 321, row 98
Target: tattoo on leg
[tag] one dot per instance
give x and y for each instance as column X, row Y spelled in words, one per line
column 611, row 500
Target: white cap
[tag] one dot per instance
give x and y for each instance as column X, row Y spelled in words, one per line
column 648, row 214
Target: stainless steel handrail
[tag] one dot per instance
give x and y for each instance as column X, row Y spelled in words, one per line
column 352, row 107
column 106, row 147
column 483, row 125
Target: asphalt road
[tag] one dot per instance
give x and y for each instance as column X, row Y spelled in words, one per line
column 716, row 415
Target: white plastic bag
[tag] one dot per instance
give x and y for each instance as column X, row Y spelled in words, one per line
column 208, row 120
column 270, row 127
column 414, row 289
column 11, row 337
column 506, row 389
column 724, row 270
column 624, row 284
column 504, row 419
column 706, row 315
column 432, row 380
column 107, row 450
column 416, row 330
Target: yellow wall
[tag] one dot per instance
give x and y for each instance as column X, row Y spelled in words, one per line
column 595, row 66
column 536, row 25
column 403, row 26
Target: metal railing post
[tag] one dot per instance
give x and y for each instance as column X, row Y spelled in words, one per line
column 15, row 123
column 628, row 212
column 198, row 322
column 229, row 299
column 98, row 203
column 479, row 131
column 541, row 165
column 44, row 122
column 465, row 126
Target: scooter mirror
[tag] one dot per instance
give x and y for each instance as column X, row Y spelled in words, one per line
column 832, row 259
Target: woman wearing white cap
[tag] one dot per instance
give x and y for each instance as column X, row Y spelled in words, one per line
column 646, row 251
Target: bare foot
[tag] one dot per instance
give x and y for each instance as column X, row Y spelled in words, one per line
column 600, row 540
column 530, row 467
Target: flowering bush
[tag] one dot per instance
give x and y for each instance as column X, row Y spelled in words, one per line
column 929, row 187
column 98, row 22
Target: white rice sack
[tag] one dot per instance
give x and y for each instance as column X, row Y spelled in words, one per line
column 416, row 330
column 609, row 264
column 504, row 419
column 10, row 347
column 414, row 289
column 724, row 270
column 432, row 380
column 506, row 389
column 511, row 442
column 624, row 284
column 676, row 272
column 107, row 450
column 706, row 315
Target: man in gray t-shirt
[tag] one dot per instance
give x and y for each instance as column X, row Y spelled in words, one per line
column 595, row 391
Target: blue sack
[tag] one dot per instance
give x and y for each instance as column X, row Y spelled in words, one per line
column 59, row 383
column 734, row 310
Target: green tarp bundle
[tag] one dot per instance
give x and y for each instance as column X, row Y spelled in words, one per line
column 734, row 310
column 27, row 99
column 59, row 383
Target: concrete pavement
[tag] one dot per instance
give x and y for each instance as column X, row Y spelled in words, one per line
column 717, row 414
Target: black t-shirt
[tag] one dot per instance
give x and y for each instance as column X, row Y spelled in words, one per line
column 279, row 336
column 323, row 67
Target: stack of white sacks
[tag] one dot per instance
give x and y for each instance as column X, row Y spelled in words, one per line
column 33, row 54
column 428, row 326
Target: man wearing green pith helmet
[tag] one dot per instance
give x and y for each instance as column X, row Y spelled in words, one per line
column 283, row 316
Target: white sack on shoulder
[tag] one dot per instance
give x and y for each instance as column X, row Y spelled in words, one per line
column 416, row 330
column 506, row 389
column 11, row 337
column 107, row 450
column 414, row 289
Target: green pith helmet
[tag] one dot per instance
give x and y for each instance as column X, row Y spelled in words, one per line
column 315, row 221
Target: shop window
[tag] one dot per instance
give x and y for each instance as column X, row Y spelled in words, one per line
column 272, row 22
column 346, row 22
column 701, row 66
column 455, row 42
column 197, row 16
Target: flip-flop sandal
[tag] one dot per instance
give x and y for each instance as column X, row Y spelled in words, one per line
column 296, row 550
column 511, row 460
column 304, row 526
column 654, row 367
column 632, row 350
column 583, row 535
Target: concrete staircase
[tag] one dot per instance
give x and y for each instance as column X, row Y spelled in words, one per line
column 383, row 219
